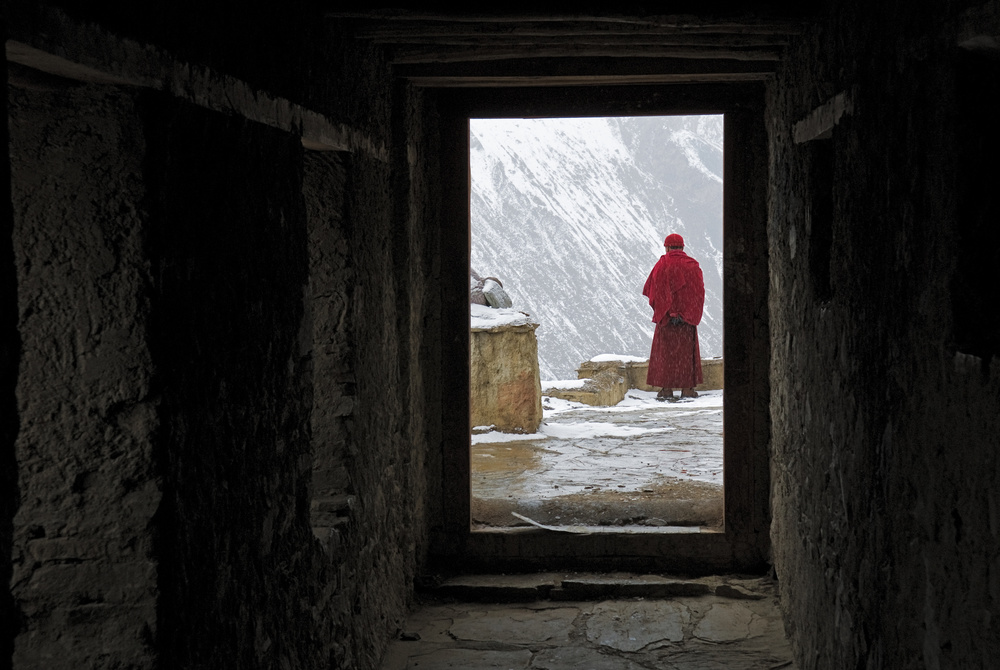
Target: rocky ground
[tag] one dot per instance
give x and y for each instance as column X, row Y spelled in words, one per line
column 642, row 464
column 594, row 622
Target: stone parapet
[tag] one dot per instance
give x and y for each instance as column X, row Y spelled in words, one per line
column 713, row 374
column 634, row 373
column 505, row 385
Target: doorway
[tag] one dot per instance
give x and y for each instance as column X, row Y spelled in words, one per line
column 570, row 214
column 743, row 543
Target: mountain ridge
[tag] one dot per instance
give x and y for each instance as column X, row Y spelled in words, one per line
column 571, row 214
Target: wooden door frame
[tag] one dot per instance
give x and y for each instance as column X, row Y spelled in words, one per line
column 744, row 545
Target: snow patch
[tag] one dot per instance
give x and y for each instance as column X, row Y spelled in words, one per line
column 624, row 358
column 484, row 317
column 572, row 431
column 563, row 384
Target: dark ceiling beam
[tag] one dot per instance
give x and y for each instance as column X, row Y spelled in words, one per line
column 584, row 72
column 713, row 40
column 416, row 55
column 388, row 28
column 503, row 22
column 437, row 81
column 613, row 100
column 636, row 40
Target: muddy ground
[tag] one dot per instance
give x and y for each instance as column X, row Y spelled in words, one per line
column 642, row 463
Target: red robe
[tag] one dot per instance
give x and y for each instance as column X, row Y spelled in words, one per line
column 675, row 287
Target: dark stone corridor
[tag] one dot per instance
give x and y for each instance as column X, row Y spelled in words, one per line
column 235, row 355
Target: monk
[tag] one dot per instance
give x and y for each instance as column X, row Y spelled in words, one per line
column 676, row 292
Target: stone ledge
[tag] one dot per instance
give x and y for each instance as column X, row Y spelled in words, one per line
column 507, row 328
column 597, row 588
column 634, row 372
column 497, row 588
column 713, row 374
column 594, row 586
column 504, row 386
column 605, row 389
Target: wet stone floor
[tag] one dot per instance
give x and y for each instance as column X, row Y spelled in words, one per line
column 642, row 463
column 710, row 623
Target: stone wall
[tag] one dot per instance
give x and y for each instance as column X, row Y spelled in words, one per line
column 197, row 298
column 85, row 576
column 231, row 346
column 376, row 568
column 333, row 377
column 713, row 373
column 10, row 346
column 505, row 384
column 884, row 448
column 164, row 391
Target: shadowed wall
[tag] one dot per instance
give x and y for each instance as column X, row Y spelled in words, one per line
column 885, row 426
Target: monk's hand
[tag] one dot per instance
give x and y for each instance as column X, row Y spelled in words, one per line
column 676, row 321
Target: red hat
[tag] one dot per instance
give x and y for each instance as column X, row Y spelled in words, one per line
column 673, row 240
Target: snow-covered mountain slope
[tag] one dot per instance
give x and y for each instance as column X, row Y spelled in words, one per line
column 570, row 214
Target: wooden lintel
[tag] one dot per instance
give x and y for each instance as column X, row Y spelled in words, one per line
column 395, row 31
column 417, row 55
column 712, row 40
column 779, row 25
column 508, row 82
column 526, row 100
column 819, row 124
column 569, row 72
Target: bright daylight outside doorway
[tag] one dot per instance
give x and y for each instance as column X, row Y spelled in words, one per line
column 568, row 217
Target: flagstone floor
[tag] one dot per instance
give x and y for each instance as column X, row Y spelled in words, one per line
column 595, row 623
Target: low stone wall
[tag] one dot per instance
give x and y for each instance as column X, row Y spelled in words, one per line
column 713, row 374
column 634, row 373
column 505, row 385
column 606, row 388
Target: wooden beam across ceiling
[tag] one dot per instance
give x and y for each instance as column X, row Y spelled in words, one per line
column 510, row 47
column 584, row 72
column 385, row 21
column 407, row 55
column 389, row 29
column 630, row 39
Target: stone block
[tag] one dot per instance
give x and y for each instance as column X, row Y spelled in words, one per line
column 549, row 626
column 496, row 589
column 629, row 626
column 636, row 375
column 634, row 372
column 736, row 592
column 713, row 375
column 590, row 369
column 724, row 623
column 605, row 389
column 505, row 386
column 596, row 587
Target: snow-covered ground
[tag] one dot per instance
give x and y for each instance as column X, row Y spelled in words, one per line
column 640, row 442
